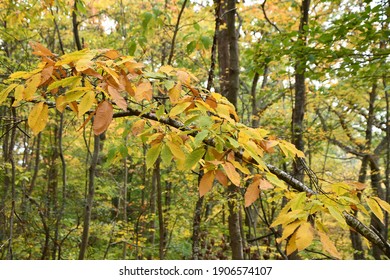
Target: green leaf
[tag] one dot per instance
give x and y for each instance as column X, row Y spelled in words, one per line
column 200, row 137
column 166, row 155
column 152, row 155
column 191, row 47
column 193, row 158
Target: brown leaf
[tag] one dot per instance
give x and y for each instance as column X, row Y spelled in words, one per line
column 40, row 50
column 206, row 183
column 118, row 98
column 252, row 192
column 103, row 117
column 232, row 173
column 221, row 177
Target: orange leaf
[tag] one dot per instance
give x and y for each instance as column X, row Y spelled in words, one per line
column 143, row 91
column 221, row 177
column 265, row 185
column 232, row 173
column 118, row 99
column 327, row 245
column 137, row 127
column 112, row 54
column 252, row 192
column 40, row 50
column 206, row 183
column 103, row 117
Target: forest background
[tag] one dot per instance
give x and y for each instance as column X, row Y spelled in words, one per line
column 194, row 129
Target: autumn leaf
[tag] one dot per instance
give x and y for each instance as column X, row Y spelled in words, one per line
column 176, row 151
column 31, row 87
column 174, row 93
column 112, row 54
column 328, row 246
column 291, row 246
column 179, row 108
column 138, row 127
column 232, row 173
column 118, row 99
column 38, row 117
column 252, row 192
column 221, row 177
column 4, row 93
column 374, row 206
column 265, row 185
column 40, row 50
column 304, row 236
column 143, row 91
column 103, row 117
column 385, row 206
column 288, row 230
column 18, row 95
column 86, row 103
column 206, row 183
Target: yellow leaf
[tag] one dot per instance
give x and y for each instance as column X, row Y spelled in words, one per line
column 179, row 108
column 38, row 117
column 18, row 95
column 385, row 206
column 86, row 103
column 176, row 151
column 174, row 93
column 328, row 246
column 374, row 206
column 291, row 246
column 31, row 87
column 4, row 93
column 61, row 103
column 143, row 91
column 167, row 69
column 288, row 230
column 286, row 218
column 103, row 117
column 252, row 192
column 232, row 173
column 304, row 236
column 206, row 183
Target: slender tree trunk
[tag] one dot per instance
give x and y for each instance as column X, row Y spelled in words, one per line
column 223, row 48
column 75, row 23
column 298, row 113
column 90, row 197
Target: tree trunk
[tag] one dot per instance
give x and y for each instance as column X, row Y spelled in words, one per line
column 298, row 113
column 89, row 202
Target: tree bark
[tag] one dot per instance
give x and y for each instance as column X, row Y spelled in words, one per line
column 298, row 113
column 90, row 197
